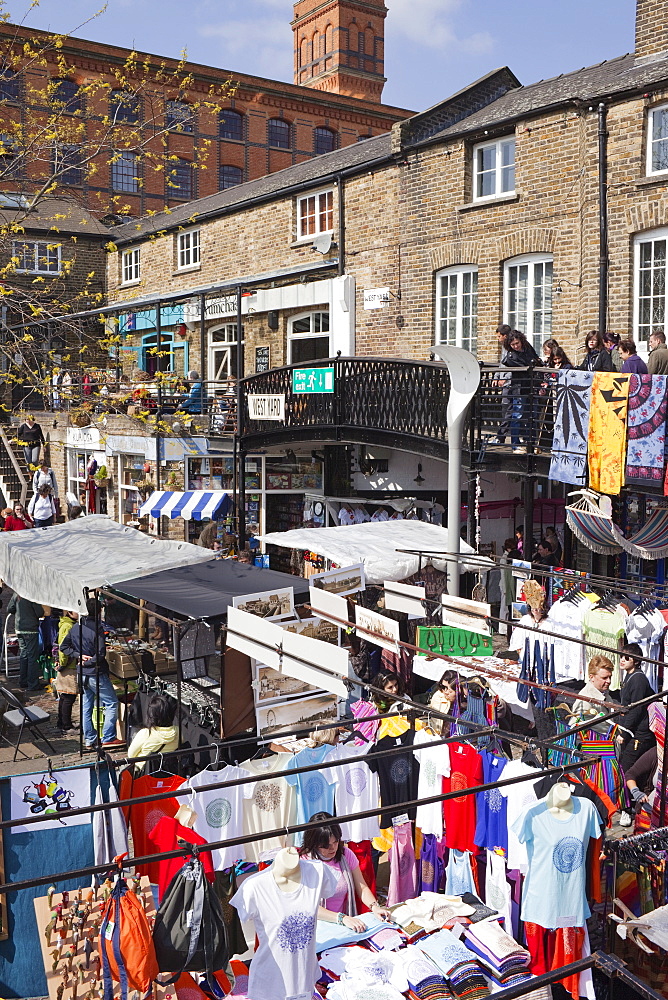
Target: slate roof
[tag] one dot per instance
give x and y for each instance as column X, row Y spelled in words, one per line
column 54, row 215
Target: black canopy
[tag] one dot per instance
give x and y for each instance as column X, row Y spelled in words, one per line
column 206, row 590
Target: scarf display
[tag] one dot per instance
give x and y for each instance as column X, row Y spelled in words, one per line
column 646, row 429
column 607, row 431
column 571, row 427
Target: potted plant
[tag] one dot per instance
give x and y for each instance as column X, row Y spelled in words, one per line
column 101, row 477
column 80, row 416
column 173, row 481
column 145, row 487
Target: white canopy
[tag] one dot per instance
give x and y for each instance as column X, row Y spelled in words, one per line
column 53, row 566
column 377, row 545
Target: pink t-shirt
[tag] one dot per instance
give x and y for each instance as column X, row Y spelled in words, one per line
column 338, row 901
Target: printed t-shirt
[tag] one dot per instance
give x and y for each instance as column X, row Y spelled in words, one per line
column 165, row 836
column 459, row 812
column 604, row 628
column 220, row 812
column 143, row 816
column 269, row 805
column 519, row 797
column 491, row 820
column 357, row 790
column 554, row 893
column 284, row 964
column 398, row 774
column 338, row 901
column 314, row 790
column 434, row 765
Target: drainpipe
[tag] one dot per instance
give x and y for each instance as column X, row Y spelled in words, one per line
column 241, row 454
column 603, row 218
column 342, row 225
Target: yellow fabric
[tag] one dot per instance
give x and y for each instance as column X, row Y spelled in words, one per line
column 607, row 431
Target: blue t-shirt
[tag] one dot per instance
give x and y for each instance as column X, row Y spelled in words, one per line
column 554, row 893
column 313, row 789
column 491, row 829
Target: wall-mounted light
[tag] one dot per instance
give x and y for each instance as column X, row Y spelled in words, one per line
column 419, row 479
column 557, row 282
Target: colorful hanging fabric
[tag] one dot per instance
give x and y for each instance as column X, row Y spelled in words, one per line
column 646, row 430
column 557, row 757
column 571, row 427
column 607, row 431
column 605, row 774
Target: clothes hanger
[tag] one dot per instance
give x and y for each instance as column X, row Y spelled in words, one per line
column 355, row 734
column 162, row 770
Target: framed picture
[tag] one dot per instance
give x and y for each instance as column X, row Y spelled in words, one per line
column 271, row 685
column 344, row 581
column 290, row 715
column 269, row 604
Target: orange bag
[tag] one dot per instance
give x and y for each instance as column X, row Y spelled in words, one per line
column 126, row 944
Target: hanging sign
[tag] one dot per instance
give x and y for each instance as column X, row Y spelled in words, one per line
column 344, row 581
column 266, row 407
column 387, row 628
column 444, row 640
column 458, row 612
column 262, row 359
column 405, row 597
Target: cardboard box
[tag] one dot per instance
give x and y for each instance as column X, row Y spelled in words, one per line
column 124, row 665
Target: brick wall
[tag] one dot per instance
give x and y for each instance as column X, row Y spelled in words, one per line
column 651, row 28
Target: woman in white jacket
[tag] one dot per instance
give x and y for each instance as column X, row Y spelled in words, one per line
column 42, row 508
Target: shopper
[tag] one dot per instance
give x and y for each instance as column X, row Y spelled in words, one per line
column 44, row 476
column 502, row 381
column 193, row 402
column 599, row 674
column 597, row 357
column 324, row 843
column 631, row 363
column 160, row 734
column 611, row 341
column 553, row 538
column 520, row 355
column 18, row 519
column 636, row 737
column 85, row 642
column 640, row 780
column 42, row 508
column 65, row 681
column 391, row 684
column 26, row 625
column 29, row 435
column 657, row 362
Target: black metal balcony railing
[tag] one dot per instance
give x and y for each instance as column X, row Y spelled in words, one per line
column 513, row 410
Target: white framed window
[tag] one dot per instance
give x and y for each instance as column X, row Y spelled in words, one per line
column 649, row 299
column 315, row 214
column 36, row 256
column 457, row 307
column 223, row 352
column 527, row 296
column 308, row 338
column 657, row 140
column 131, row 266
column 188, row 249
column 494, row 168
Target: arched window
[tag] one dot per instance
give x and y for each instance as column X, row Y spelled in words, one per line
column 527, row 296
column 231, row 125
column 229, row 176
column 124, row 107
column 179, row 116
column 457, row 307
column 329, row 38
column 308, row 338
column 303, row 52
column 279, row 133
column 324, row 140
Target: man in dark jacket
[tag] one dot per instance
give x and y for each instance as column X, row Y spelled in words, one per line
column 636, row 736
column 85, row 643
column 657, row 362
column 26, row 626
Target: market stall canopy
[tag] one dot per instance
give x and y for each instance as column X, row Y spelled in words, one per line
column 207, row 590
column 193, row 505
column 54, row 566
column 379, row 546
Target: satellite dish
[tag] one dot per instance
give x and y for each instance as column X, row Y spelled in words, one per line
column 323, row 243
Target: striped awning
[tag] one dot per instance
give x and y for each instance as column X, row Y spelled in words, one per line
column 193, row 505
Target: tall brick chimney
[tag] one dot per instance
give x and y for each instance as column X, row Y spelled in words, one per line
column 651, row 29
column 339, row 46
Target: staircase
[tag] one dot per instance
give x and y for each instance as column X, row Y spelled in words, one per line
column 14, row 473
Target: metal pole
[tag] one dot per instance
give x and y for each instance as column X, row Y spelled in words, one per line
column 202, row 343
column 241, row 495
column 602, row 218
column 342, row 226
column 158, row 347
column 176, row 638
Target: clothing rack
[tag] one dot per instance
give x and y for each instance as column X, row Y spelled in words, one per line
column 650, row 839
column 397, row 809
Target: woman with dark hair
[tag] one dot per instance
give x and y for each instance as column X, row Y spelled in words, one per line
column 549, row 347
column 324, row 843
column 597, row 357
column 446, row 699
column 391, row 684
column 636, row 737
column 520, row 355
column 160, row 734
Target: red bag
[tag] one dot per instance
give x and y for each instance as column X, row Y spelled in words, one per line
column 126, row 944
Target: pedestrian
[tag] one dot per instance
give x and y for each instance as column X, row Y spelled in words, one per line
column 44, row 475
column 599, row 674
column 26, row 625
column 553, row 538
column 502, row 382
column 42, row 508
column 549, row 347
column 17, row 519
column 611, row 341
column 86, row 643
column 29, row 435
column 597, row 357
column 636, row 738
column 520, row 355
column 160, row 734
column 631, row 363
column 65, row 681
column 657, row 362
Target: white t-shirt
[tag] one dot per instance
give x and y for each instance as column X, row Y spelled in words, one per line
column 520, row 797
column 269, row 805
column 357, row 790
column 284, row 964
column 434, row 765
column 220, row 812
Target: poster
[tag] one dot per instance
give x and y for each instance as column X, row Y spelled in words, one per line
column 268, row 604
column 290, row 715
column 273, row 685
column 51, row 794
column 344, row 581
column 386, row 629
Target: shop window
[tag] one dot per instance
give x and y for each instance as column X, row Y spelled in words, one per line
column 179, row 116
column 231, row 125
column 132, row 473
column 124, row 107
column 649, row 300
column 78, row 464
column 279, row 133
column 223, row 352
column 308, row 338
column 457, row 307
column 130, row 266
column 37, row 257
column 324, row 140
column 125, row 172
column 315, row 214
column 229, row 176
column 527, row 291
column 65, row 95
column 493, row 169
column 188, row 249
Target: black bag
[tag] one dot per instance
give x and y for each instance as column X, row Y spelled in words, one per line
column 189, row 933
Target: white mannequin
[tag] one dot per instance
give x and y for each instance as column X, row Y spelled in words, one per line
column 186, row 816
column 560, row 800
column 286, row 870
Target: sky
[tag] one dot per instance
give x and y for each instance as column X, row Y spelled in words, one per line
column 433, row 47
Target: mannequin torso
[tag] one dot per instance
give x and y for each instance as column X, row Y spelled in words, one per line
column 286, row 870
column 560, row 800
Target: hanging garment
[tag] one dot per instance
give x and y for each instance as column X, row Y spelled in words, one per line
column 604, row 628
column 360, row 710
column 647, row 630
column 398, row 775
column 314, row 790
column 434, row 765
column 459, row 875
column 271, row 805
column 356, row 790
column 110, row 832
column 554, row 949
column 565, row 617
column 142, row 817
column 497, row 889
column 518, row 797
column 402, row 866
column 557, row 757
column 165, row 836
column 605, row 774
column 362, row 851
column 430, row 862
column 571, row 427
column 607, row 432
column 646, row 430
column 220, row 812
column 491, row 808
column 459, row 813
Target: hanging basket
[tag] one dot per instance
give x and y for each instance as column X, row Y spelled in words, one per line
column 80, row 419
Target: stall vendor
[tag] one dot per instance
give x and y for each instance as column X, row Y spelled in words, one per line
column 324, row 843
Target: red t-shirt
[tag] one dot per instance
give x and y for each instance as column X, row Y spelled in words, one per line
column 165, row 835
column 144, row 816
column 459, row 813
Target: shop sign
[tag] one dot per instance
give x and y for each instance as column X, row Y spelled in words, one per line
column 215, row 308
column 262, row 359
column 444, row 640
column 376, row 298
column 313, row 380
column 266, row 407
column 83, row 437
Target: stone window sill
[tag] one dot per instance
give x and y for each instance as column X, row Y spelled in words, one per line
column 503, row 199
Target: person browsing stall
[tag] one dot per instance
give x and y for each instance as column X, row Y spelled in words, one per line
column 325, row 843
column 42, row 508
column 636, row 737
column 160, row 734
column 392, row 686
column 599, row 674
